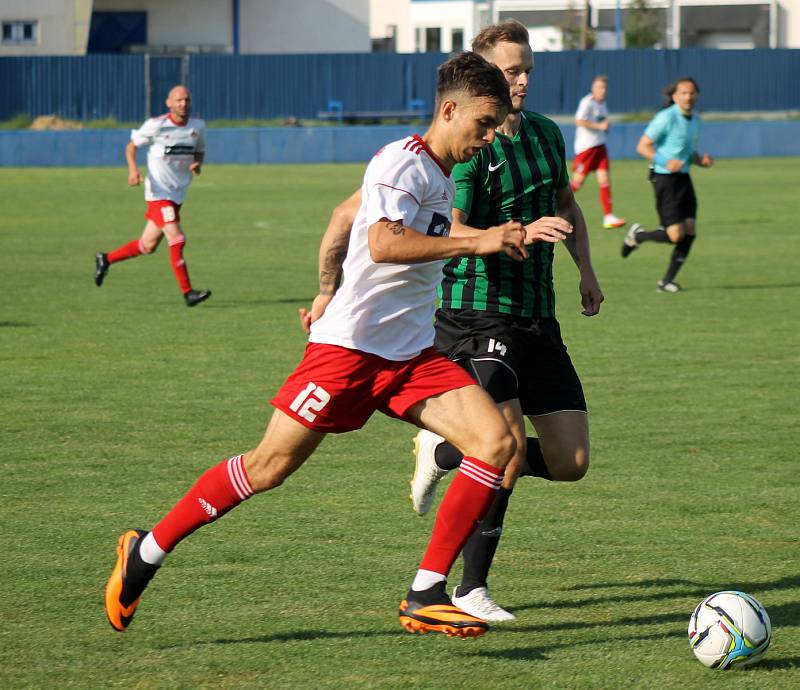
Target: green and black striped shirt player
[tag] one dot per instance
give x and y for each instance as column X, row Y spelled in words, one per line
column 512, row 179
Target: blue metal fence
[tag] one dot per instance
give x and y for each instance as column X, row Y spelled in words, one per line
column 268, row 86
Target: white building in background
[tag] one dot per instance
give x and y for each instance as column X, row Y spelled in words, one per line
column 448, row 25
column 74, row 27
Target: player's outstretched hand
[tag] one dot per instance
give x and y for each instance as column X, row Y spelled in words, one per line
column 318, row 307
column 547, row 229
column 508, row 237
column 591, row 294
column 196, row 168
column 134, row 177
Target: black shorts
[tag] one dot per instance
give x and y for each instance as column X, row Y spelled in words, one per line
column 675, row 198
column 512, row 357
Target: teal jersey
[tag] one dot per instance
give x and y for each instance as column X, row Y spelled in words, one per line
column 512, row 179
column 674, row 136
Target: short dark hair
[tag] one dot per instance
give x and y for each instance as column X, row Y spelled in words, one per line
column 470, row 73
column 509, row 31
column 670, row 89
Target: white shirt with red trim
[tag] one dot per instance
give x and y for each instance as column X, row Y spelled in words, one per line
column 387, row 309
column 593, row 111
column 171, row 150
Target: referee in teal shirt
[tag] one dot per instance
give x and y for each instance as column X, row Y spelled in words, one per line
column 670, row 144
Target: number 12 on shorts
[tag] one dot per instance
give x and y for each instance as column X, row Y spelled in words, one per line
column 309, row 401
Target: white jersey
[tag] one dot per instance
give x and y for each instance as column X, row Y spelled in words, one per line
column 387, row 309
column 589, row 109
column 171, row 151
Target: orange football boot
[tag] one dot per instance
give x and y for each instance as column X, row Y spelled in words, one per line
column 420, row 616
column 124, row 588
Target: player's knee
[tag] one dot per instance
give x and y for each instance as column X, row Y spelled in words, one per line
column 497, row 448
column 147, row 247
column 568, row 464
column 264, row 471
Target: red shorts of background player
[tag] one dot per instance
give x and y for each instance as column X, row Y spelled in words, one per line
column 335, row 389
column 162, row 212
column 595, row 158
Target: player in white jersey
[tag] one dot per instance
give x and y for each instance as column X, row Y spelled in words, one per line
column 591, row 154
column 175, row 150
column 372, row 350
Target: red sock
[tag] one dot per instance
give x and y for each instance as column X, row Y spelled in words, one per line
column 464, row 505
column 218, row 490
column 126, row 251
column 605, row 198
column 178, row 264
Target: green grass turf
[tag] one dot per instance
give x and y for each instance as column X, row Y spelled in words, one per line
column 114, row 400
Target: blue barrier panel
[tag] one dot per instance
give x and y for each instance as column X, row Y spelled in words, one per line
column 356, row 144
column 272, row 86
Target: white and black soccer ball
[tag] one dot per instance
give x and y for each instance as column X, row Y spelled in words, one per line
column 729, row 630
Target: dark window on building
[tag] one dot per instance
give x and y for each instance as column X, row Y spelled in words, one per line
column 20, row 31
column 457, row 40
column 709, row 27
column 433, row 40
column 116, row 32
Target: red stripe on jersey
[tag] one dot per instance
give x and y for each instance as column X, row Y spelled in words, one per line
column 418, row 139
column 405, row 191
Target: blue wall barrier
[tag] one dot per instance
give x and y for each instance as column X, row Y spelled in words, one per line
column 355, row 144
column 272, row 86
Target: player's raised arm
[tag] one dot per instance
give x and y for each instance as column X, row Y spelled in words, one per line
column 332, row 253
column 392, row 242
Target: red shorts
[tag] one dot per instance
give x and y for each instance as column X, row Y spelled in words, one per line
column 595, row 158
column 162, row 212
column 335, row 389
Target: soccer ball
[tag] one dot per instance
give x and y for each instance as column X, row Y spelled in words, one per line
column 728, row 630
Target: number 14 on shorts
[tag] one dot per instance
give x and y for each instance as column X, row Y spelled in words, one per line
column 497, row 346
column 309, row 401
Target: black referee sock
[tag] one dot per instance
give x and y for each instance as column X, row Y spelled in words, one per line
column 447, row 456
column 536, row 466
column 679, row 255
column 481, row 546
column 657, row 235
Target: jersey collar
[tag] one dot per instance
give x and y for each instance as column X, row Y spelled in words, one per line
column 434, row 157
column 176, row 122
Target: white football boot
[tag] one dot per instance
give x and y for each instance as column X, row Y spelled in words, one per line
column 478, row 603
column 427, row 474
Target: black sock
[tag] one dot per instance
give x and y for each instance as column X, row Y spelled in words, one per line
column 657, row 235
column 447, row 456
column 536, row 466
column 481, row 546
column 679, row 255
column 137, row 576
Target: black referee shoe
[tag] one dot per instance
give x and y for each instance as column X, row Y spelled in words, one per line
column 101, row 267
column 630, row 243
column 194, row 297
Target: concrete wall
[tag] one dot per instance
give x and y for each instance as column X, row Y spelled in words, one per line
column 356, row 144
column 63, row 26
column 310, row 26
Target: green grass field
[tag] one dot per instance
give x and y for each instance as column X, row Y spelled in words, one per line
column 114, row 400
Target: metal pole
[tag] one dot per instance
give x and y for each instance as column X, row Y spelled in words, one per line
column 148, row 87
column 618, row 24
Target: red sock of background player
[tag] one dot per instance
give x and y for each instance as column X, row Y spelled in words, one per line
column 215, row 493
column 464, row 505
column 126, row 251
column 178, row 264
column 605, row 198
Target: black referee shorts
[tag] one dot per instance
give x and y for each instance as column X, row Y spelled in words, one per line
column 512, row 357
column 675, row 197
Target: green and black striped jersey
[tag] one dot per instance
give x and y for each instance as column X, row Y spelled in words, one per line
column 513, row 179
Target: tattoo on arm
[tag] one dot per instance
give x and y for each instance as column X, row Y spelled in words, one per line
column 396, row 227
column 330, row 273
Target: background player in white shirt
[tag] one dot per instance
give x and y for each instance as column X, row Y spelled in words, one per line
column 591, row 155
column 372, row 350
column 176, row 147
